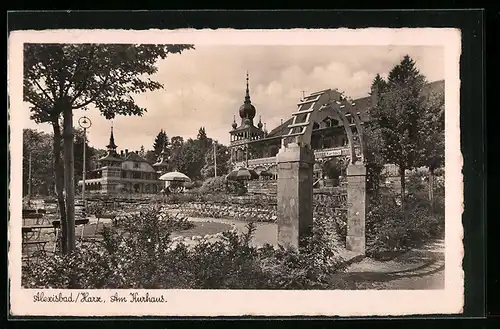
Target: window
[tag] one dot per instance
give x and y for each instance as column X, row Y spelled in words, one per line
column 136, row 165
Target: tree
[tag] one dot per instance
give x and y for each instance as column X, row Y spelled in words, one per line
column 160, row 142
column 97, row 154
column 374, row 160
column 202, row 134
column 223, row 157
column 176, row 142
column 142, row 152
column 397, row 118
column 59, row 78
column 151, row 157
column 39, row 145
column 379, row 85
column 188, row 159
column 433, row 138
column 203, row 140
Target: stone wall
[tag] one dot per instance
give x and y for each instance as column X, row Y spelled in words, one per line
column 270, row 187
column 226, row 211
column 260, row 208
column 263, row 186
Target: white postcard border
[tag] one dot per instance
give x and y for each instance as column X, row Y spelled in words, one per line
column 234, row 302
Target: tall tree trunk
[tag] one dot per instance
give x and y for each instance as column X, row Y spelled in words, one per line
column 431, row 191
column 402, row 176
column 69, row 174
column 59, row 182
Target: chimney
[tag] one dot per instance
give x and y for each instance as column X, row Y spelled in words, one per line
column 281, row 121
column 126, row 152
column 121, row 153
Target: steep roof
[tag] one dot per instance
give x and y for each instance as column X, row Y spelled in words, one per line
column 435, row 86
column 362, row 105
column 132, row 156
column 280, row 130
column 110, row 157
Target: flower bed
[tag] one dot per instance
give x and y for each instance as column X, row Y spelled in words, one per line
column 220, row 210
column 139, row 253
column 253, row 208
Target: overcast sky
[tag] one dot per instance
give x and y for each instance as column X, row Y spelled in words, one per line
column 206, row 86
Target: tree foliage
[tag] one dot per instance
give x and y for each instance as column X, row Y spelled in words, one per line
column 379, row 85
column 188, row 158
column 432, row 132
column 39, row 145
column 397, row 117
column 59, row 78
column 203, row 141
column 142, row 152
column 150, row 156
column 105, row 75
column 407, row 124
column 223, row 156
column 160, row 142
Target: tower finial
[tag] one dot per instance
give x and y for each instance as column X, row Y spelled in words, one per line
column 259, row 125
column 112, row 146
column 234, row 124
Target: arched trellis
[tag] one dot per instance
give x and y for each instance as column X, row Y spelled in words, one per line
column 314, row 108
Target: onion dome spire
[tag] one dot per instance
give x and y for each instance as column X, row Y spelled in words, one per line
column 247, row 110
column 259, row 125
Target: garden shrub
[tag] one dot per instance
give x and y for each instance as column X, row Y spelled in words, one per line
column 138, row 253
column 214, row 185
column 387, row 229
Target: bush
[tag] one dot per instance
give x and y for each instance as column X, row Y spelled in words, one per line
column 387, row 229
column 214, row 185
column 138, row 253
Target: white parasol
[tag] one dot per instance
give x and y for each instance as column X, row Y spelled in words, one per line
column 175, row 176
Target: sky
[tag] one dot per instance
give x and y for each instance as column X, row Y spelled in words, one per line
column 206, row 86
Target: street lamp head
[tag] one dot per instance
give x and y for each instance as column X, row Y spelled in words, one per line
column 84, row 122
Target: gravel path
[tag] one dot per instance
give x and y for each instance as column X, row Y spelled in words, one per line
column 417, row 269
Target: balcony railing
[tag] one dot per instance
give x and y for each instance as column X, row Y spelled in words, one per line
column 318, row 154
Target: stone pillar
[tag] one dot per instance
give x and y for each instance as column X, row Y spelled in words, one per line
column 357, row 205
column 295, row 194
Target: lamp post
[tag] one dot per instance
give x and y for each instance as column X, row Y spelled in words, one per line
column 85, row 123
column 29, row 182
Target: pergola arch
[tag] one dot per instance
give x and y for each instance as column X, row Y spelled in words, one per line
column 315, row 108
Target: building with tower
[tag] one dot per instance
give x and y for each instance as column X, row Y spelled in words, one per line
column 252, row 146
column 124, row 173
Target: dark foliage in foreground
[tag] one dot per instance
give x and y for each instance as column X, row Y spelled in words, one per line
column 138, row 252
column 388, row 231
